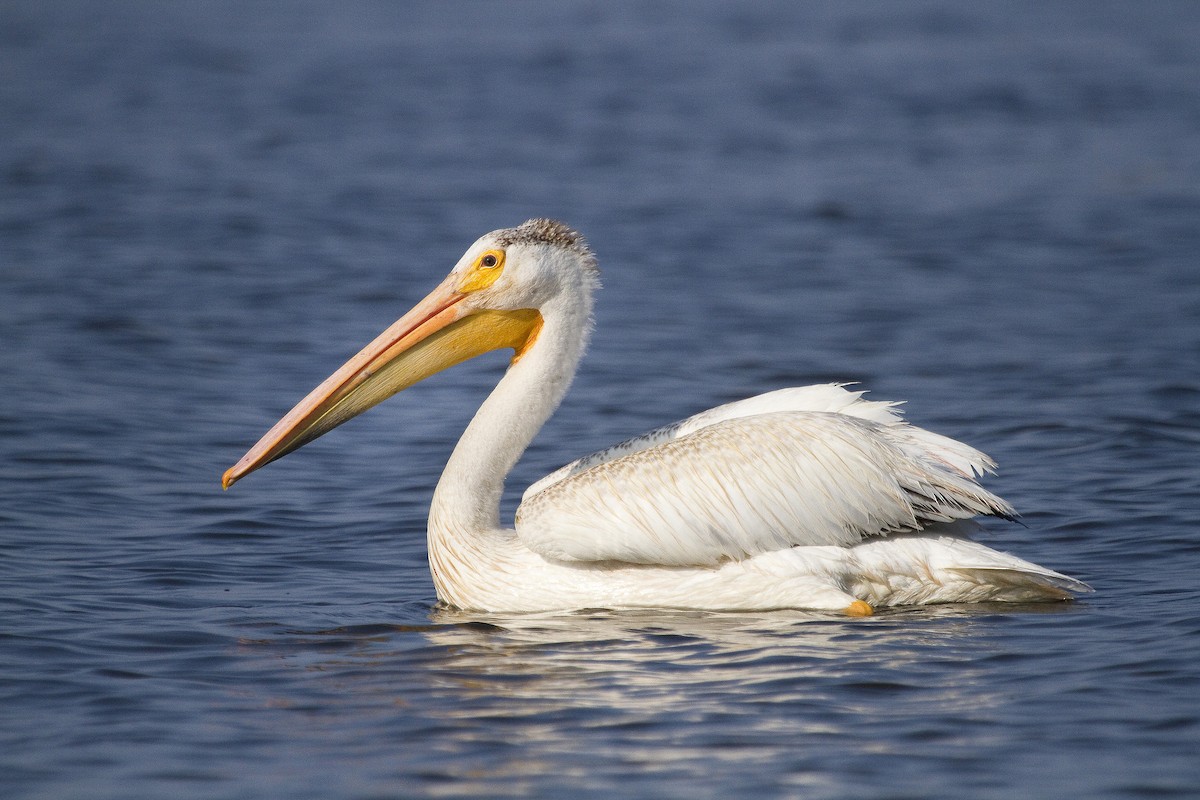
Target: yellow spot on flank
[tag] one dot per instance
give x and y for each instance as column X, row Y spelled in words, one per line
column 859, row 609
column 484, row 272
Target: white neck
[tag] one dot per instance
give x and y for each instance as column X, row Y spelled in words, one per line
column 466, row 503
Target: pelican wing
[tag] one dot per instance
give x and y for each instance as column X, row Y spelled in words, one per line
column 831, row 397
column 742, row 482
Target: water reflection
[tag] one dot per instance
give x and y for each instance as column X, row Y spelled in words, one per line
column 650, row 662
column 655, row 693
column 654, row 662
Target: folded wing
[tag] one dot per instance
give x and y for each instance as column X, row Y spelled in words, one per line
column 759, row 475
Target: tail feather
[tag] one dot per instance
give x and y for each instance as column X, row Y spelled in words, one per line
column 1022, row 585
column 933, row 567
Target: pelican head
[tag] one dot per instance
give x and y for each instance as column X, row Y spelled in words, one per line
column 497, row 296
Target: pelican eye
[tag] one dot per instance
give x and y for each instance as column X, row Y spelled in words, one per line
column 490, row 259
column 483, row 272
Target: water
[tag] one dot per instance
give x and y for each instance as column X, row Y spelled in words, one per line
column 204, row 207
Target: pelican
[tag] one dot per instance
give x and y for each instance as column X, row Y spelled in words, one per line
column 801, row 498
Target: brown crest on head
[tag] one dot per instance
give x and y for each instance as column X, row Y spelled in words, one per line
column 552, row 232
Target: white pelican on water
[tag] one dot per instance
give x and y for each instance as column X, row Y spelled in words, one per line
column 806, row 498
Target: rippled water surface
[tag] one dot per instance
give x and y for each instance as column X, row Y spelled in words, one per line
column 205, row 207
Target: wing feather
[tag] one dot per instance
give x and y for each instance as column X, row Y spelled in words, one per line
column 829, row 397
column 742, row 485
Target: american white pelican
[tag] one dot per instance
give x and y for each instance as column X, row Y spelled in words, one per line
column 800, row 498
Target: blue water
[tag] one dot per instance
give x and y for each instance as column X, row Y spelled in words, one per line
column 992, row 213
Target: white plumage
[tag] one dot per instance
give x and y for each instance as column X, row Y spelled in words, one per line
column 774, row 471
column 800, row 498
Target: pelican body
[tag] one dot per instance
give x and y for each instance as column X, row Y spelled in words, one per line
column 806, row 498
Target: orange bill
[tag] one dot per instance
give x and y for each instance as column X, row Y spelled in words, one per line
column 439, row 332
